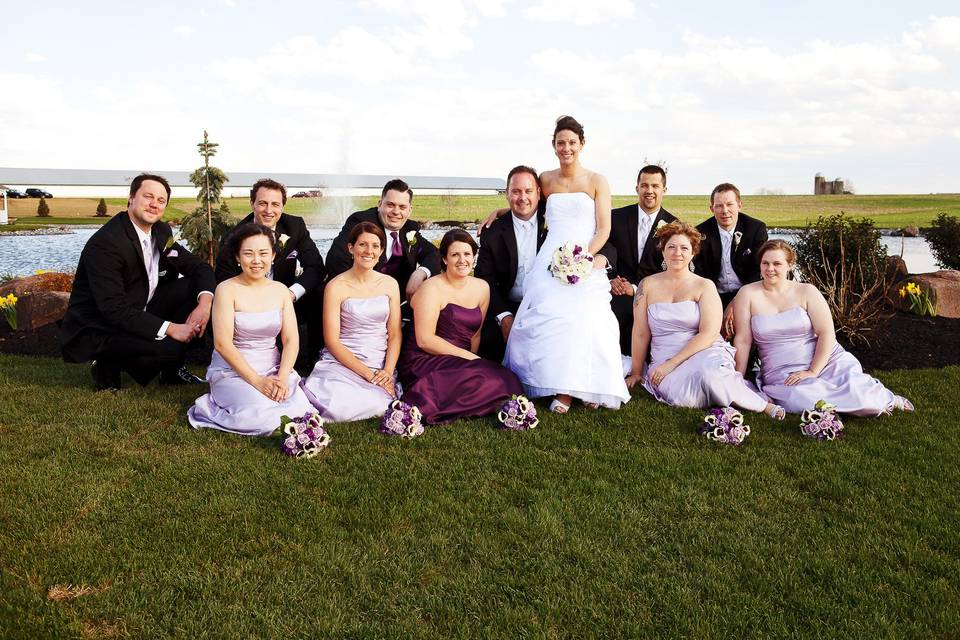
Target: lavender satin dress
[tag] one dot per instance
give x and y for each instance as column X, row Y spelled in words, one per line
column 708, row 378
column 445, row 388
column 339, row 394
column 786, row 342
column 232, row 404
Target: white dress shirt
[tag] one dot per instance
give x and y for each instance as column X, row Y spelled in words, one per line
column 151, row 261
column 728, row 280
column 644, row 223
column 526, row 234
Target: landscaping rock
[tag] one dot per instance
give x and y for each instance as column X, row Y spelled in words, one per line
column 896, row 268
column 40, row 308
column 944, row 288
column 20, row 286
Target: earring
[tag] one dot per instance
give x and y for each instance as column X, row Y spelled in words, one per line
column 663, row 265
column 691, row 267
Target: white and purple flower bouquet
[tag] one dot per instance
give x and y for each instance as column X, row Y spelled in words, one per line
column 725, row 425
column 518, row 414
column 821, row 422
column 402, row 419
column 305, row 435
column 571, row 263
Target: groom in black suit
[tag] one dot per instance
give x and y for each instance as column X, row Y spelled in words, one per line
column 728, row 253
column 631, row 249
column 129, row 309
column 267, row 199
column 507, row 250
column 408, row 257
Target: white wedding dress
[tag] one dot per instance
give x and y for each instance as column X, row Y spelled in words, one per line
column 565, row 338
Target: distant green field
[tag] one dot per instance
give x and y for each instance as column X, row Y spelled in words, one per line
column 888, row 211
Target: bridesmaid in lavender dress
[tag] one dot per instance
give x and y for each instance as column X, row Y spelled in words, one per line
column 800, row 360
column 439, row 368
column 677, row 315
column 251, row 384
column 354, row 378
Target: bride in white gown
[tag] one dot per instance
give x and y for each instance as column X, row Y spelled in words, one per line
column 565, row 339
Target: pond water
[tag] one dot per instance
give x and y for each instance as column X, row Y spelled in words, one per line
column 23, row 255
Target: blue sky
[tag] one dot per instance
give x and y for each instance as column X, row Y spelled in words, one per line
column 748, row 92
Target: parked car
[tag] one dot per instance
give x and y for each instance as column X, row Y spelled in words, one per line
column 38, row 193
column 13, row 193
column 315, row 193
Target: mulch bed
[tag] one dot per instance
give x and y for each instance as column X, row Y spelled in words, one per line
column 905, row 342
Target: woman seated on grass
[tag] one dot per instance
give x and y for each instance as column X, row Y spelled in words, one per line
column 439, row 368
column 251, row 384
column 800, row 360
column 677, row 315
column 355, row 377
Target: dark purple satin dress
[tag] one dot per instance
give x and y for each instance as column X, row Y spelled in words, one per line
column 445, row 388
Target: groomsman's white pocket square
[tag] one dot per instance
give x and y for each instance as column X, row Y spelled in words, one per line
column 293, row 255
column 172, row 253
column 747, row 252
column 162, row 273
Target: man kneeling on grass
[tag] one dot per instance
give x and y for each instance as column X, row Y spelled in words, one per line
column 129, row 309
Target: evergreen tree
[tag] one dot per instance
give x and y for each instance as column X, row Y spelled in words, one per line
column 43, row 209
column 102, row 208
column 205, row 226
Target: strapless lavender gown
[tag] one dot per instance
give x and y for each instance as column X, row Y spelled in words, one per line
column 233, row 405
column 786, row 343
column 565, row 338
column 708, row 378
column 339, row 394
column 449, row 387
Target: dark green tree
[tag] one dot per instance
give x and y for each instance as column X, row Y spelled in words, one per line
column 43, row 209
column 944, row 239
column 102, row 208
column 205, row 226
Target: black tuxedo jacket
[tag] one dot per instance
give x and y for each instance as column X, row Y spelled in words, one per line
column 111, row 286
column 298, row 246
column 744, row 253
column 621, row 248
column 416, row 252
column 497, row 263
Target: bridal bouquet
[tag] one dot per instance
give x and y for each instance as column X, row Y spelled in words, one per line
column 821, row 422
column 401, row 419
column 518, row 414
column 305, row 435
column 725, row 425
column 571, row 263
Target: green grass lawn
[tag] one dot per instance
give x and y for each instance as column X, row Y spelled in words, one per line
column 888, row 211
column 597, row 524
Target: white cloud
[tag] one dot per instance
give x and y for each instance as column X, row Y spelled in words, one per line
column 34, row 57
column 940, row 33
column 581, row 13
column 183, row 30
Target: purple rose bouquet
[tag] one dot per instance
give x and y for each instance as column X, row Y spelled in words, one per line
column 305, row 435
column 725, row 425
column 821, row 422
column 571, row 263
column 518, row 414
column 401, row 419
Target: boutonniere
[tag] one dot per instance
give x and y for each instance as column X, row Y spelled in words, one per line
column 736, row 239
column 661, row 223
column 282, row 240
column 411, row 238
column 169, row 244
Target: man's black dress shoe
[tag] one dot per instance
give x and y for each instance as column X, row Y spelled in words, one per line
column 105, row 377
column 179, row 376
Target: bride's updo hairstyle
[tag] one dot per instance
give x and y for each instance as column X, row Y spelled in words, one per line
column 678, row 228
column 568, row 123
column 455, row 235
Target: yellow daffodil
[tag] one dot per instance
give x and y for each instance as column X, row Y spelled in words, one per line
column 40, row 272
column 903, row 291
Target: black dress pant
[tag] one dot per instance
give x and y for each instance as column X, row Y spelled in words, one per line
column 492, row 344
column 622, row 306
column 144, row 358
column 309, row 309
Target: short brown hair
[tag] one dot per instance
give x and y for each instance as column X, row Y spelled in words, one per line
column 140, row 179
column 397, row 185
column 267, row 183
column 522, row 168
column 678, row 228
column 455, row 235
column 652, row 169
column 723, row 187
column 774, row 245
column 367, row 227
